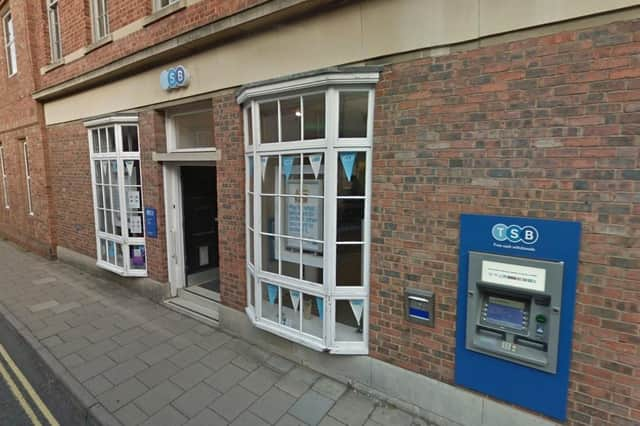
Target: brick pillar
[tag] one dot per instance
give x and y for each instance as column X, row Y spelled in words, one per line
column 227, row 122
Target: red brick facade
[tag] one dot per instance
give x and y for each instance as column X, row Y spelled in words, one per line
column 21, row 120
column 545, row 127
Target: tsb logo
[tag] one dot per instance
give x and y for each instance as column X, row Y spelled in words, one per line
column 514, row 233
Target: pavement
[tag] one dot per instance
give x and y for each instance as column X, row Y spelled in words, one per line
column 129, row 361
column 30, row 393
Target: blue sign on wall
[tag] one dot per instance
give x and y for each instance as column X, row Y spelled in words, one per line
column 151, row 221
column 174, row 78
column 530, row 238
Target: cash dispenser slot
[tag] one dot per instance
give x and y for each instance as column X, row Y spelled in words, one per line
column 540, row 346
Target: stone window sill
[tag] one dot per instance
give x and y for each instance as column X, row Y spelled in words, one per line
column 164, row 12
column 52, row 66
column 98, row 44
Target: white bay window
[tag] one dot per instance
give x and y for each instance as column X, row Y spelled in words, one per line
column 117, row 194
column 308, row 165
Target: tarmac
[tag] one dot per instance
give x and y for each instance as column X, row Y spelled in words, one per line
column 129, row 361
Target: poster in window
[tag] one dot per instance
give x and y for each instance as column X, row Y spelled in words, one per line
column 309, row 224
column 137, row 256
column 133, row 199
column 135, row 225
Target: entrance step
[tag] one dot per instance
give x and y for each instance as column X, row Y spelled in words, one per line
column 196, row 307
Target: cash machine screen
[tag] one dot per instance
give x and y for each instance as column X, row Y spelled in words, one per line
column 505, row 312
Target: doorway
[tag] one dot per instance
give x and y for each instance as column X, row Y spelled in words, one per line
column 200, row 230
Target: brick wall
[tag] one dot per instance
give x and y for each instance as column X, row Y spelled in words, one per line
column 545, row 127
column 20, row 118
column 152, row 138
column 76, row 31
column 71, row 187
column 227, row 133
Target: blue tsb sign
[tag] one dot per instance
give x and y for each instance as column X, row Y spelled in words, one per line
column 525, row 238
column 514, row 233
column 174, row 78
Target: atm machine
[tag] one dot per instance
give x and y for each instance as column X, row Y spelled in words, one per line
column 513, row 309
column 516, row 298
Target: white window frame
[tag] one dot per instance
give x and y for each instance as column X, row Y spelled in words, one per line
column 330, row 146
column 157, row 4
column 10, row 43
column 55, row 40
column 120, row 156
column 170, row 126
column 3, row 173
column 27, row 173
column 99, row 22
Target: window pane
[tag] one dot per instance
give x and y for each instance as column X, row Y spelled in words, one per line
column 130, row 138
column 109, row 222
column 312, row 315
column 99, row 199
column 137, row 257
column 268, row 214
column 101, row 226
column 117, row 223
column 111, row 139
column 250, row 168
column 251, row 300
column 95, row 140
column 194, row 130
column 314, row 116
column 291, row 219
column 290, row 252
column 103, row 140
column 290, row 314
column 270, row 301
column 313, row 218
column 98, row 172
column 103, row 250
column 349, row 265
column 354, row 107
column 269, row 261
column 131, row 172
column 115, row 198
column 251, row 249
column 314, row 174
column 107, row 197
column 349, row 320
column 136, row 228
column 111, row 252
column 269, row 170
column 351, row 173
column 350, row 221
column 290, row 174
column 113, row 172
column 290, row 116
column 269, row 122
column 249, row 127
column 312, row 259
column 119, row 256
column 250, row 207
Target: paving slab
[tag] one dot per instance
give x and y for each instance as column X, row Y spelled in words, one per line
column 122, row 394
column 353, row 409
column 233, row 403
column 272, row 405
column 131, row 415
column 226, row 378
column 207, row 418
column 197, row 399
column 248, row 419
column 260, row 381
column 158, row 397
column 168, row 416
column 311, row 408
